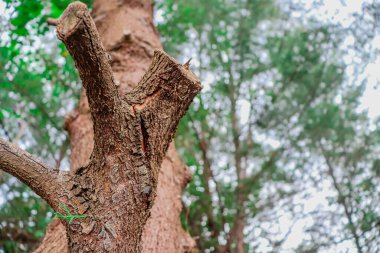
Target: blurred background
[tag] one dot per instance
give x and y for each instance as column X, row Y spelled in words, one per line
column 283, row 141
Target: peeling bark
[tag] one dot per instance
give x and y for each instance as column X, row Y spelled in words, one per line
column 117, row 185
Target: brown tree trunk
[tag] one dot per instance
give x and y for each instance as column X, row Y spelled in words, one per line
column 114, row 179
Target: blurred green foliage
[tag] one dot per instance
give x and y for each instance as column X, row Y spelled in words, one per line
column 39, row 85
column 23, row 215
column 277, row 107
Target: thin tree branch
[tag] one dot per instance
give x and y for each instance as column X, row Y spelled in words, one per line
column 5, row 130
column 52, row 21
column 38, row 103
column 43, row 180
column 341, row 198
column 62, row 153
column 207, row 175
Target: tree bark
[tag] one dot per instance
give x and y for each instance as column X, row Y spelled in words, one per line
column 120, row 133
column 47, row 182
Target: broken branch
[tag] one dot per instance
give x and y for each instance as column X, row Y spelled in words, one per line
column 161, row 99
column 77, row 30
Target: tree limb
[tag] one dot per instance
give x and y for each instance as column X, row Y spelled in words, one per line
column 160, row 99
column 207, row 175
column 43, row 180
column 77, row 30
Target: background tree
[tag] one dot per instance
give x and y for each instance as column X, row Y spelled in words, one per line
column 268, row 75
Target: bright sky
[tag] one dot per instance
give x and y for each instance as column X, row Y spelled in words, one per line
column 340, row 11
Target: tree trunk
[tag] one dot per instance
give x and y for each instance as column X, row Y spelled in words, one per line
column 119, row 135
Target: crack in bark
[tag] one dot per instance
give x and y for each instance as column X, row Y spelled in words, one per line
column 144, row 134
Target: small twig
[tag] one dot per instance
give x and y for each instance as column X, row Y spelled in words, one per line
column 186, row 65
column 5, row 131
column 52, row 21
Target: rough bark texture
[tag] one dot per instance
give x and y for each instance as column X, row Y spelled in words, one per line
column 48, row 183
column 127, row 133
column 130, row 37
